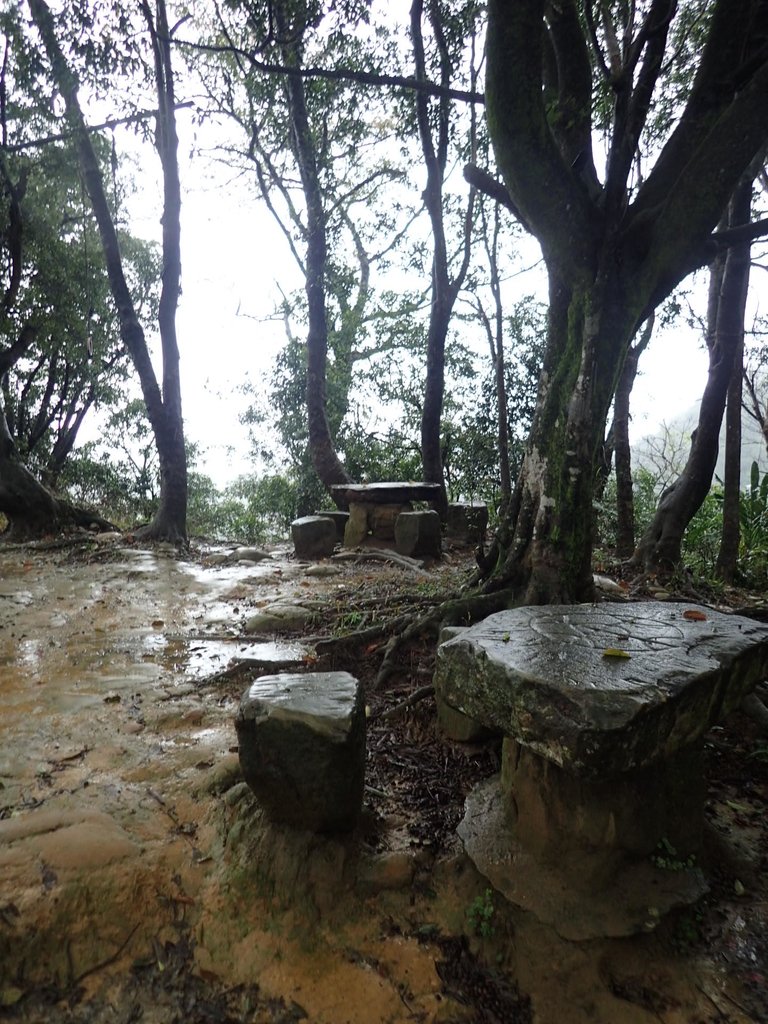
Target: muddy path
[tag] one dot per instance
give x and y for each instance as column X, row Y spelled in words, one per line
column 138, row 880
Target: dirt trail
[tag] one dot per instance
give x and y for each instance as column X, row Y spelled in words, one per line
column 137, row 881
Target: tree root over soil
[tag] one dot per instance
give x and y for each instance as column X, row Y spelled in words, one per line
column 460, row 611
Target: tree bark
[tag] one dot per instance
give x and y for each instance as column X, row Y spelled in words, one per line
column 730, row 539
column 659, row 549
column 612, row 252
column 445, row 289
column 163, row 408
column 328, row 466
column 625, row 504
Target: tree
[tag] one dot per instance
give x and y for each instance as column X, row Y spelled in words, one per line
column 435, row 126
column 660, row 546
column 327, row 180
column 163, row 405
column 614, row 248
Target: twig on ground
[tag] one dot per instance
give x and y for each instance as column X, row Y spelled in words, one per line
column 418, row 695
column 109, row 960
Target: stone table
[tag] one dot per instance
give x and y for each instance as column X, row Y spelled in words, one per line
column 374, row 508
column 604, row 709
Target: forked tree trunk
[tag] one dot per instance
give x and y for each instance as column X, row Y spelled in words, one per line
column 545, row 556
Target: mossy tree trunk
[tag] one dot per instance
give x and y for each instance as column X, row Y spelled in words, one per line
column 614, row 248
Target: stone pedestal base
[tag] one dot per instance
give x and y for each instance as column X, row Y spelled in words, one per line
column 632, row 897
column 378, row 521
column 584, row 854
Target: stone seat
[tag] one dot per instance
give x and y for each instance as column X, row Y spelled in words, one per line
column 603, row 709
column 302, row 748
column 418, row 534
column 313, row 536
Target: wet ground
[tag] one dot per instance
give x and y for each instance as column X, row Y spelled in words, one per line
column 137, row 882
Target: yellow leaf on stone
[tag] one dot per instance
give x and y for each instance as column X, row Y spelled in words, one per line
column 615, row 652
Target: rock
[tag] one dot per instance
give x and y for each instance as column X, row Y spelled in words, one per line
column 321, row 572
column 340, row 520
column 467, row 521
column 418, row 534
column 302, row 748
column 546, row 677
column 277, row 618
column 313, row 537
column 218, row 558
column 248, row 555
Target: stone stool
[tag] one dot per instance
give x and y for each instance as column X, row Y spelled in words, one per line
column 417, row 534
column 302, row 748
column 313, row 537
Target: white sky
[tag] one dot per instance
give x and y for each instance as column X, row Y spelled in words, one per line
column 233, row 257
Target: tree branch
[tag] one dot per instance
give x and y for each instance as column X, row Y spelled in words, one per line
column 341, row 74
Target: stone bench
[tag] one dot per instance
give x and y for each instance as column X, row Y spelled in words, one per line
column 302, row 748
column 603, row 709
column 374, row 508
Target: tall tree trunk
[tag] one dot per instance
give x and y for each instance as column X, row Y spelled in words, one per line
column 163, row 408
column 328, row 466
column 659, row 549
column 445, row 289
column 730, row 539
column 625, row 504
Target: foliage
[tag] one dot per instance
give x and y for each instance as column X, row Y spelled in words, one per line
column 480, row 915
column 251, row 510
column 667, row 858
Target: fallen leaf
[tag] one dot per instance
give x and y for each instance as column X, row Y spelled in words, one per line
column 694, row 616
column 615, row 652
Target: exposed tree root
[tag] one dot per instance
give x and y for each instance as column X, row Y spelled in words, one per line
column 461, row 611
column 331, row 644
column 381, row 555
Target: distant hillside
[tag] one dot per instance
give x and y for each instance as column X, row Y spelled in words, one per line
column 671, row 443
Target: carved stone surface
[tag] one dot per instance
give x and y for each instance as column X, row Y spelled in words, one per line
column 302, row 748
column 418, row 534
column 313, row 536
column 604, row 709
column 600, row 689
